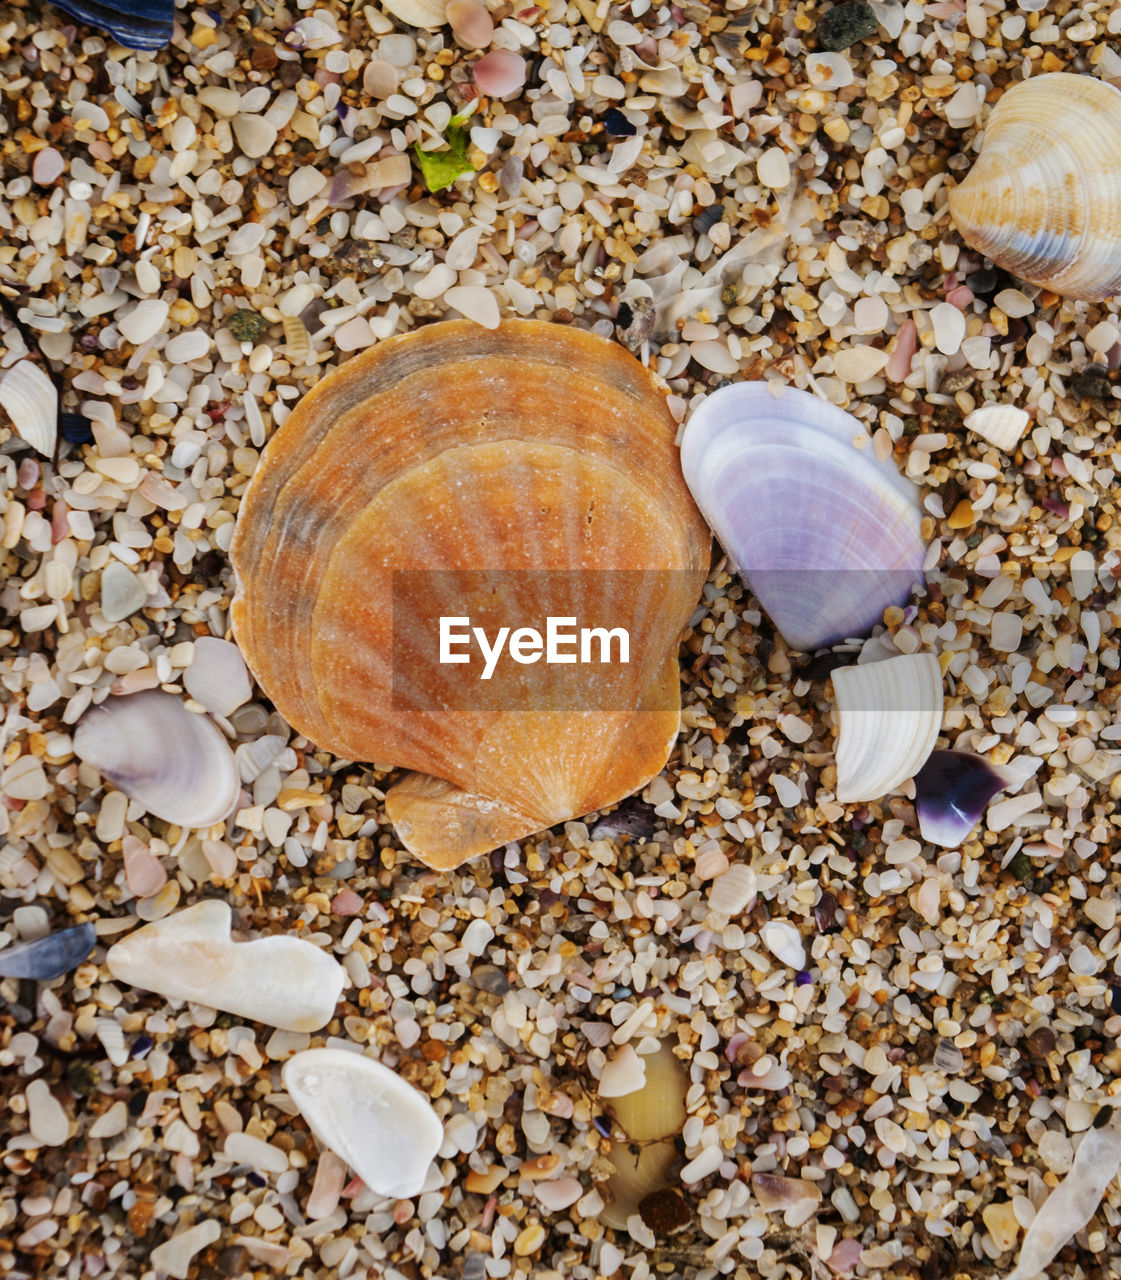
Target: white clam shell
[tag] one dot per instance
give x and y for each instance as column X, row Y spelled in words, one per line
column 368, row 1116
column 426, row 14
column 1043, row 199
column 31, row 401
column 281, row 981
column 1000, row 424
column 890, row 713
column 175, row 763
column 826, row 534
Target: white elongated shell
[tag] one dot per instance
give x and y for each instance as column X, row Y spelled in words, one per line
column 176, row 764
column 1000, row 424
column 281, row 981
column 31, row 401
column 217, row 677
column 826, row 534
column 890, row 714
column 368, row 1116
column 427, row 14
column 1043, row 199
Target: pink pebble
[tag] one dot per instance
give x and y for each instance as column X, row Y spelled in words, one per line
column 36, row 500
column 144, row 873
column 471, row 23
column 960, row 297
column 60, row 525
column 899, row 365
column 47, row 166
column 28, row 475
column 500, row 73
column 845, row 1255
column 346, row 903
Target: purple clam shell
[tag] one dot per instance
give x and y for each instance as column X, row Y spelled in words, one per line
column 952, row 791
column 825, row 534
column 50, row 956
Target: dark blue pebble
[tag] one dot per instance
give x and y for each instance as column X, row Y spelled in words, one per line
column 76, row 428
column 617, row 124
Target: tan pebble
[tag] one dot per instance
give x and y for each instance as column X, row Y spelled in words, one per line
column 484, row 1183
column 539, row 1167
column 962, row 516
column 294, row 798
column 530, row 1240
column 1000, row 1219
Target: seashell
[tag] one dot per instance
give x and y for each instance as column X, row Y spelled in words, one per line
column 1043, row 198
column 176, row 764
column 1072, row 1204
column 31, row 401
column 1000, row 424
column 368, row 1116
column 296, row 340
column 450, row 450
column 426, row 14
column 649, row 1117
column 890, row 713
column 784, row 942
column 281, row 981
column 137, row 24
column 825, row 534
column 733, row 891
column 499, row 73
column 49, row 957
column 951, row 792
column 471, row 23
column 797, row 1198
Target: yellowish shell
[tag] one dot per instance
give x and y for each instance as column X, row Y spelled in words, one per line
column 508, row 476
column 1043, row 199
column 296, row 342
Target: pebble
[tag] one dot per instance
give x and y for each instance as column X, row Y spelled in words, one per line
column 305, row 183
column 368, row 1116
column 477, row 937
column 858, row 364
column 243, row 1148
column 624, row 1073
column 949, row 328
column 558, row 1194
column 475, row 303
column 1000, row 1220
column 191, row 345
column 471, row 23
column 176, row 1255
column 46, row 1116
column 380, row 79
column 49, row 957
column 122, row 593
column 845, row 24
column 47, row 166
column 255, row 135
column 773, row 168
column 280, row 980
column 144, row 321
column 499, row 73
column 217, row 678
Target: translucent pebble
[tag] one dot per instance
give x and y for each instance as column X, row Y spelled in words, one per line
column 47, row 166
column 500, row 73
column 472, row 24
column 380, row 79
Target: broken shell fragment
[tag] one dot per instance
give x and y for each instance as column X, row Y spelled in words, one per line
column 890, row 714
column 137, row 24
column 368, row 1116
column 278, row 980
column 441, row 475
column 173, row 762
column 31, row 401
column 1000, row 424
column 796, row 1198
column 49, row 957
column 951, row 792
column 1043, row 198
column 826, row 534
column 426, row 14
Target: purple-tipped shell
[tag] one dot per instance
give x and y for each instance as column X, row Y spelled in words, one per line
column 826, row 534
column 499, row 73
column 952, row 791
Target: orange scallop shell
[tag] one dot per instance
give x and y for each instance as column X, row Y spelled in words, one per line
column 532, row 466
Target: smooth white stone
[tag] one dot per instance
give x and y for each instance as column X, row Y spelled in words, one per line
column 243, row 1148
column 122, row 593
column 476, row 303
column 190, row 345
column 784, row 941
column 46, row 1116
column 175, row 1255
column 477, row 937
column 281, row 981
column 144, row 321
column 217, row 676
column 255, row 135
column 368, row 1116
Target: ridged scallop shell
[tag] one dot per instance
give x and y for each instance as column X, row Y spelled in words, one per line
column 1043, row 199
column 534, row 449
column 1000, row 424
column 31, row 401
column 826, row 534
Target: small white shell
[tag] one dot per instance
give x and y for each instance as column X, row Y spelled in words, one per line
column 890, row 713
column 1043, row 199
column 31, row 401
column 368, row 1116
column 1000, row 424
column 176, row 764
column 733, row 891
column 295, row 339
